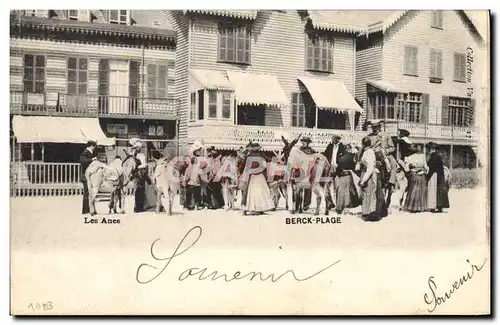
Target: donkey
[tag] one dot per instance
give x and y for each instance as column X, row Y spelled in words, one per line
column 167, row 179
column 102, row 176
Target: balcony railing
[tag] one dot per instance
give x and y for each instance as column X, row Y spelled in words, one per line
column 58, row 104
column 234, row 136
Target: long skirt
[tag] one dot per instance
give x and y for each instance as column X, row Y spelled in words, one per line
column 347, row 196
column 437, row 194
column 373, row 203
column 258, row 196
column 416, row 199
column 214, row 195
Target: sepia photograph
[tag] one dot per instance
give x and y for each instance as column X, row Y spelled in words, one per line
column 249, row 162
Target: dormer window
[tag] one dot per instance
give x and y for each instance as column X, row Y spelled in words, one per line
column 234, row 44
column 73, row 14
column 29, row 13
column 437, row 19
column 119, row 17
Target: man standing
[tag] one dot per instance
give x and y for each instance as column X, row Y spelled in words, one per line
column 306, row 141
column 333, row 152
column 384, row 149
column 86, row 158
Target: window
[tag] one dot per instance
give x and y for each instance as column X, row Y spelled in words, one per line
column 212, row 104
column 157, row 81
column 459, row 66
column 378, row 102
column 234, row 44
column 155, row 130
column 414, row 103
column 29, row 13
column 436, row 64
column 460, row 111
column 437, row 19
column 411, row 61
column 118, row 17
column 77, row 76
column 226, row 105
column 34, row 73
column 73, row 14
column 117, row 129
column 192, row 112
column 319, row 56
column 298, row 110
column 401, row 107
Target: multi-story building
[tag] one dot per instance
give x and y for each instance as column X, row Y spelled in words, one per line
column 75, row 75
column 258, row 75
column 422, row 69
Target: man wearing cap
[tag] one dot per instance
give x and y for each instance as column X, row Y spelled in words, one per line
column 86, row 158
column 305, row 148
column 384, row 149
column 333, row 152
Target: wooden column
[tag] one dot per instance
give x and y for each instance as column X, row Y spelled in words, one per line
column 43, row 151
column 316, row 118
column 32, row 151
column 451, row 157
column 385, row 110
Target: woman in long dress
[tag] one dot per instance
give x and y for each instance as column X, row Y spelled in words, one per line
column 258, row 196
column 437, row 191
column 416, row 166
column 373, row 202
column 347, row 194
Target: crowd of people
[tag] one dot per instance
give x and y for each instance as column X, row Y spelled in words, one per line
column 363, row 177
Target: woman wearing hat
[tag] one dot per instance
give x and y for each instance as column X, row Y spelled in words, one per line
column 416, row 166
column 86, row 158
column 142, row 175
column 258, row 196
column 347, row 194
column 437, row 192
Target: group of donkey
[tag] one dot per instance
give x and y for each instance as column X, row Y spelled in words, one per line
column 168, row 174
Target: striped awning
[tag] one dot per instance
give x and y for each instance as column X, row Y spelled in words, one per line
column 385, row 86
column 244, row 14
column 211, row 79
column 330, row 94
column 257, row 89
column 51, row 129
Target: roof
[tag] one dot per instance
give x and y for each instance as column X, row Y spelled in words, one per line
column 242, row 14
column 100, row 28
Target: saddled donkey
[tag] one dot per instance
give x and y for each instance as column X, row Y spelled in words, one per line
column 229, row 180
column 308, row 171
column 168, row 176
column 112, row 178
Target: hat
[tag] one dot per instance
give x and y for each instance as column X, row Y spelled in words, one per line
column 137, row 144
column 431, row 145
column 306, row 140
column 91, row 143
column 375, row 122
column 336, row 136
column 406, row 139
column 403, row 133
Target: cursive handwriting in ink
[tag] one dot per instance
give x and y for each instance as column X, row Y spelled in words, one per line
column 436, row 300
column 200, row 272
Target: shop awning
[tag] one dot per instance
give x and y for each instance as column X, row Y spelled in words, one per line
column 330, row 94
column 51, row 129
column 385, row 86
column 211, row 79
column 257, row 89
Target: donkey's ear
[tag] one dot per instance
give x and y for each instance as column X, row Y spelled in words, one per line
column 284, row 140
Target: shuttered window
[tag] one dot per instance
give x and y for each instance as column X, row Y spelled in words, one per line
column 319, row 55
column 459, row 66
column 34, row 73
column 212, row 104
column 414, row 103
column 298, row 110
column 437, row 19
column 234, row 44
column 118, row 17
column 460, row 111
column 72, row 14
column 436, row 64
column 77, row 76
column 192, row 111
column 411, row 61
column 157, row 80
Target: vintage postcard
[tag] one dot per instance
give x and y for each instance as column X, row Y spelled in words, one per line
column 249, row 162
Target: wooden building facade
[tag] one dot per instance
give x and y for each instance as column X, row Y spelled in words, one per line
column 421, row 71
column 80, row 74
column 257, row 75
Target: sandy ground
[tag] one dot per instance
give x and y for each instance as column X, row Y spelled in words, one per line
column 90, row 268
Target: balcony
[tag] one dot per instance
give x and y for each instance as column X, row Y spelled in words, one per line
column 57, row 104
column 234, row 136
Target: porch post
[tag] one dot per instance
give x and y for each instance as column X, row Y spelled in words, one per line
column 32, row 151
column 43, row 151
column 451, row 157
column 316, row 119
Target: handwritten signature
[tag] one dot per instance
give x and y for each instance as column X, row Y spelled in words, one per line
column 436, row 300
column 200, row 272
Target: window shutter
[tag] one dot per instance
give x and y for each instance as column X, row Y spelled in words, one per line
column 439, row 64
column 407, row 61
column 432, row 65
column 414, row 67
column 424, row 112
column 103, row 77
column 445, row 111
column 472, row 112
column 134, row 79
